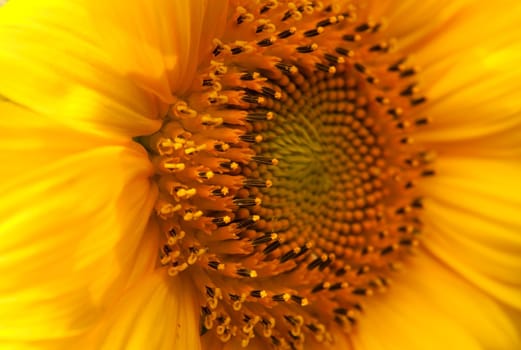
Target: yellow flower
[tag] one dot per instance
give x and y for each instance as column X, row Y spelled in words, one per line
column 198, row 174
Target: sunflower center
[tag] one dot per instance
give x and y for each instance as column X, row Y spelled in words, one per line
column 287, row 173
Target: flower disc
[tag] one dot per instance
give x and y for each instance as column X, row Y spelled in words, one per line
column 287, row 172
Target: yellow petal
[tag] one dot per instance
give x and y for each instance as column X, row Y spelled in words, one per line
column 472, row 222
column 158, row 42
column 51, row 63
column 471, row 73
column 158, row 313
column 29, row 141
column 477, row 95
column 71, row 233
column 413, row 23
column 428, row 307
column 467, row 53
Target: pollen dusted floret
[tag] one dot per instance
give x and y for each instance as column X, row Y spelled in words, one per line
column 287, row 174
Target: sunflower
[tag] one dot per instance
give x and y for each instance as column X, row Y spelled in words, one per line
column 264, row 174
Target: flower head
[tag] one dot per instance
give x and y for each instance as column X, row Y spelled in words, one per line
column 271, row 173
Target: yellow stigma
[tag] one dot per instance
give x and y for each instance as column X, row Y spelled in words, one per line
column 287, row 173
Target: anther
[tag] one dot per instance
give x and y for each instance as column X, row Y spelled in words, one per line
column 387, row 250
column 325, row 68
column 376, row 27
column 341, row 271
column 208, row 82
column 237, row 50
column 287, row 15
column 382, row 100
column 182, row 110
column 406, row 140
column 256, row 116
column 417, row 101
column 417, row 203
column 271, row 247
column 409, row 90
column 287, row 33
column 325, row 264
column 327, row 22
column 246, row 272
column 264, row 9
column 248, row 222
column 422, row 121
column 351, row 37
column 221, row 147
column 266, row 42
column 320, row 287
column 253, row 99
column 294, row 321
column 249, row 76
column 361, row 68
column 240, row 19
column 395, row 112
column 407, row 73
column 256, row 183
column 258, row 293
column 218, row 49
column 287, row 256
column 251, row 138
column 286, row 68
column 275, row 341
column 372, row 80
column 428, row 172
column 382, row 47
column 216, row 265
column 361, row 291
column 191, row 215
column 344, row 52
column 264, row 239
column 205, row 175
column 338, row 286
column 244, row 16
column 171, row 166
column 210, row 292
column 316, row 263
column 313, row 32
column 307, row 48
column 408, row 242
column 229, row 165
column 333, row 59
column 265, row 160
column 220, row 192
column 281, row 297
column 260, row 28
column 363, row 27
column 271, row 93
column 398, row 66
column 404, row 124
column 222, row 221
column 247, row 202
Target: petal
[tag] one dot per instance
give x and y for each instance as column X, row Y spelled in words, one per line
column 477, row 95
column 29, row 140
column 471, row 75
column 428, row 307
column 413, row 22
column 159, row 313
column 51, row 63
column 468, row 54
column 472, row 222
column 159, row 42
column 71, row 234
